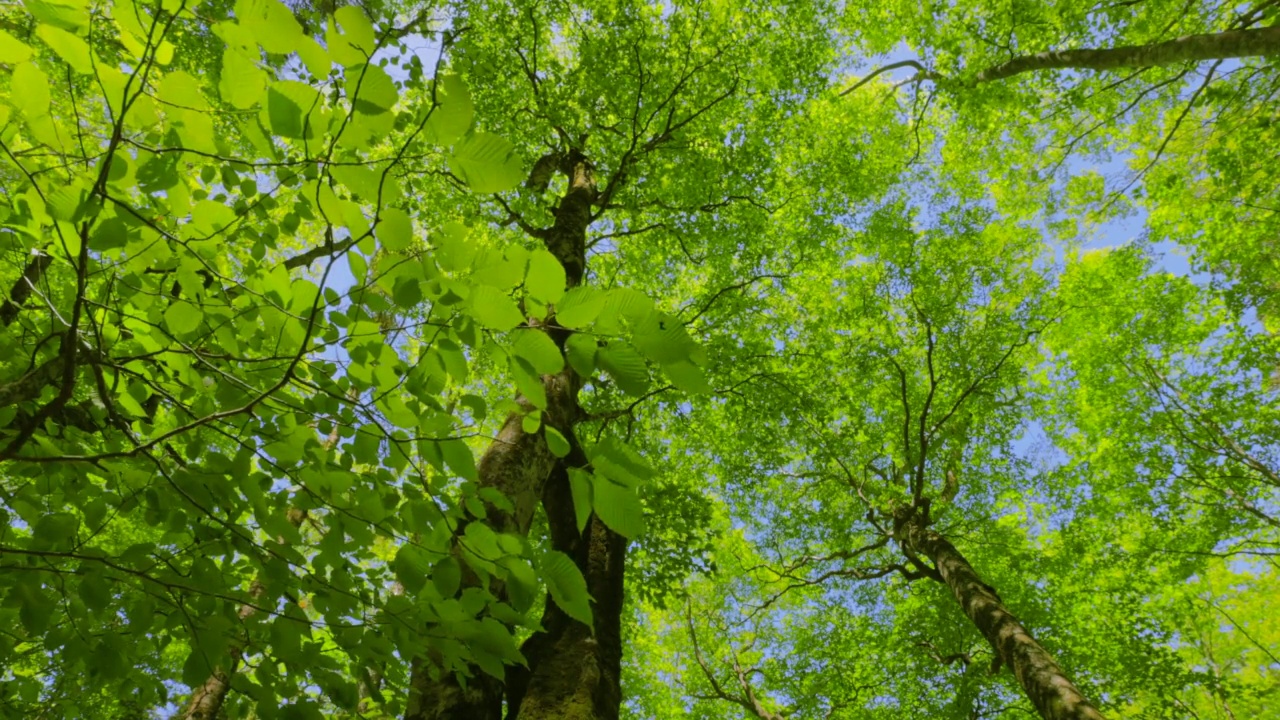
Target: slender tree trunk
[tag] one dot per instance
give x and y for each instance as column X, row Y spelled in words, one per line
column 1255, row 42
column 206, row 700
column 518, row 463
column 1213, row 46
column 1044, row 682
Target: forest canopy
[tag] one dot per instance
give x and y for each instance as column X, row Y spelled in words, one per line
column 605, row 359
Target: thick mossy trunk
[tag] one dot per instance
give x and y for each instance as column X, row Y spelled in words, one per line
column 1044, row 682
column 575, row 671
column 519, row 465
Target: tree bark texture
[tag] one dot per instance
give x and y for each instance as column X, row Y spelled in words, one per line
column 519, row 464
column 1213, row 46
column 206, row 701
column 1044, row 682
column 575, row 671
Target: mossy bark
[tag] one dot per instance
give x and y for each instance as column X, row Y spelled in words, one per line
column 573, row 670
column 1041, row 678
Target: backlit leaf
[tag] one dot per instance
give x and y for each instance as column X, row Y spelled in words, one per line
column 618, row 507
column 494, row 309
column 625, row 366
column 566, row 585
column 487, row 163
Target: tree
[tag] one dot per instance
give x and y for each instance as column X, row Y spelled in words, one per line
column 1175, row 94
column 592, row 359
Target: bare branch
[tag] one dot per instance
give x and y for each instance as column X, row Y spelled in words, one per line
column 922, row 73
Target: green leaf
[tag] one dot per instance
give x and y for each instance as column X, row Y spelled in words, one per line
column 546, row 279
column 620, row 462
column 70, row 15
column 271, row 24
column 556, row 442
column 29, row 90
column 494, row 309
column 340, row 48
column 487, row 163
column 625, row 366
column 361, row 180
column 628, row 303
column 567, row 586
column 315, row 57
column 196, row 668
column 68, row 202
column 446, row 576
column 243, row 83
column 522, row 581
column 180, row 90
column 292, row 445
column 483, row 541
column 95, row 591
column 580, row 482
column 529, row 383
column 455, row 362
column 492, row 645
column 687, row 377
column 183, row 319
column 581, row 352
column 539, row 350
column 412, row 564
column 57, row 530
column 13, row 50
column 455, row 250
column 289, row 104
column 618, row 507
column 370, row 89
column 70, row 48
column 357, row 28
column 579, row 307
column 451, row 117
column 359, row 267
column 662, row 338
column 459, row 458
column 394, row 229
column 36, row 609
column 497, row 270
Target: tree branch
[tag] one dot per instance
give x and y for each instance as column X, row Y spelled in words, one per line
column 1189, row 48
column 922, row 73
column 24, row 286
column 1226, row 45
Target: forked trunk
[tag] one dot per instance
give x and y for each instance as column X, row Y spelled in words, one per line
column 1044, row 682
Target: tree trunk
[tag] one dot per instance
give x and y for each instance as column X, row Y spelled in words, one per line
column 206, row 700
column 1044, row 682
column 575, row 671
column 1213, row 46
column 518, row 463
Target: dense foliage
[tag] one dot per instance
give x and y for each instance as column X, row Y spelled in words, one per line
column 606, row 358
